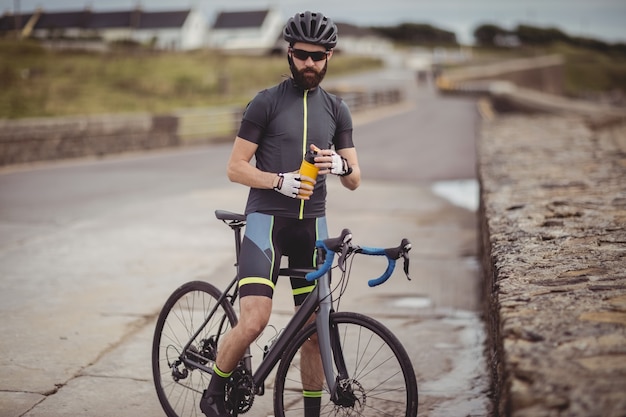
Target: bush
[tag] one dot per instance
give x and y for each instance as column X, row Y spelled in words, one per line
column 417, row 34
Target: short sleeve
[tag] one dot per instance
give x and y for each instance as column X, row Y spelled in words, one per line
column 255, row 119
column 343, row 132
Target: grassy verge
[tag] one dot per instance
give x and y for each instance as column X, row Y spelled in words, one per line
column 35, row 82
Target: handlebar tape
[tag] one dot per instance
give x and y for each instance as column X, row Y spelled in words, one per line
column 385, row 276
column 391, row 264
column 330, row 256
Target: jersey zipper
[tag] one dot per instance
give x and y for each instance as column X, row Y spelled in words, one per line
column 304, row 140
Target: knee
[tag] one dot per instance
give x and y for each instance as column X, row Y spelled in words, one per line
column 253, row 324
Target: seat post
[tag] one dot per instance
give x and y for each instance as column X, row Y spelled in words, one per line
column 236, row 226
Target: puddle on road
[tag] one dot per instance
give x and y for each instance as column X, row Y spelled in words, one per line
column 462, row 193
column 412, row 302
column 463, row 389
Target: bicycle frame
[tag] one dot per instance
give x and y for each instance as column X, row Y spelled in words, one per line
column 319, row 299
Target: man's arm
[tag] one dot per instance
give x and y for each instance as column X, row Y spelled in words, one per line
column 241, row 171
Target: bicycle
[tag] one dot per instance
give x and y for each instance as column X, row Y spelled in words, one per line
column 367, row 371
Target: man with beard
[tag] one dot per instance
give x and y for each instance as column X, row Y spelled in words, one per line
column 285, row 215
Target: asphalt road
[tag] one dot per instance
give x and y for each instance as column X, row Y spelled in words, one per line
column 90, row 249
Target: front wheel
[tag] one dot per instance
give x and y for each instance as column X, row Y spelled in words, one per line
column 179, row 384
column 376, row 375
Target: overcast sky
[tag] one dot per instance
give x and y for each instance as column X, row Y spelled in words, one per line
column 603, row 19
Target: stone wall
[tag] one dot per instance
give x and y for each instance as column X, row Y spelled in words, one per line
column 553, row 214
column 30, row 140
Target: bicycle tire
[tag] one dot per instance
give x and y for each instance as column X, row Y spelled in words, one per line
column 380, row 371
column 184, row 310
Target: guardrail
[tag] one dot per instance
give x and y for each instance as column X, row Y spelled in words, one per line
column 204, row 125
column 31, row 140
column 361, row 99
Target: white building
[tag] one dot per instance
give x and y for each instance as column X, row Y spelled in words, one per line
column 357, row 40
column 260, row 32
column 252, row 32
column 257, row 32
column 180, row 30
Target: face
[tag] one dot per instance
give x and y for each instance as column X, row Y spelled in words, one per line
column 306, row 71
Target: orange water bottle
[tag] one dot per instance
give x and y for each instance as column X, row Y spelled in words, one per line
column 308, row 168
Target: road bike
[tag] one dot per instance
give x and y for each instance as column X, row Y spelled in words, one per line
column 366, row 370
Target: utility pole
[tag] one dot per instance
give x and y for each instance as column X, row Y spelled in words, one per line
column 17, row 16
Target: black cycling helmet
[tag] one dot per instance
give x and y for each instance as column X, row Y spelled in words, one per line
column 310, row 27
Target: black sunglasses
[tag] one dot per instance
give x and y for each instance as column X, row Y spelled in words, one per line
column 303, row 55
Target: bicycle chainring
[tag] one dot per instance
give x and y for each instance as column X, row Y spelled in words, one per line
column 240, row 392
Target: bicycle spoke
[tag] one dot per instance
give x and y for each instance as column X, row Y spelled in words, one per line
column 188, row 307
column 380, row 379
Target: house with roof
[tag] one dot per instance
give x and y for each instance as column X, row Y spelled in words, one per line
column 179, row 30
column 256, row 32
column 260, row 32
column 358, row 40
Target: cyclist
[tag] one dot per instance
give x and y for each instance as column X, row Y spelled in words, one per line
column 284, row 214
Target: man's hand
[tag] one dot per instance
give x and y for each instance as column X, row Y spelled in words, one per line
column 339, row 165
column 292, row 185
column 330, row 162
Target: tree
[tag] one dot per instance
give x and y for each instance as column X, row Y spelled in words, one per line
column 531, row 35
column 485, row 35
column 417, row 34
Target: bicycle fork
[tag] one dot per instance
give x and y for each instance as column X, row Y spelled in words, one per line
column 330, row 346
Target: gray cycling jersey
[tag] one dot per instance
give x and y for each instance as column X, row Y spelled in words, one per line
column 284, row 121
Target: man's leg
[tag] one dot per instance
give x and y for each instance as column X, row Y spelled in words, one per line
column 312, row 373
column 254, row 315
column 311, row 369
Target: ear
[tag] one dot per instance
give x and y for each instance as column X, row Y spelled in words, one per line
column 330, row 54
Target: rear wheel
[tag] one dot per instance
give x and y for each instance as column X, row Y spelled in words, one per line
column 377, row 375
column 179, row 385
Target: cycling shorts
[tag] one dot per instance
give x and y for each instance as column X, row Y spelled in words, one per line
column 266, row 240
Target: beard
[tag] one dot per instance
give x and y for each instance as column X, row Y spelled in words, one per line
column 308, row 78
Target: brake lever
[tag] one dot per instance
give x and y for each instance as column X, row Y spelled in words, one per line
column 406, row 265
column 341, row 262
column 406, row 247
